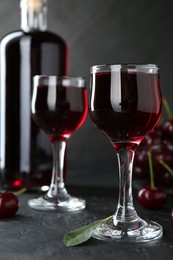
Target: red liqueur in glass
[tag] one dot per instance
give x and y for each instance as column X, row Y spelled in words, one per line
column 125, row 116
column 63, row 115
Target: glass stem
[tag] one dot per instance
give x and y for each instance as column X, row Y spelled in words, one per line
column 125, row 210
column 57, row 181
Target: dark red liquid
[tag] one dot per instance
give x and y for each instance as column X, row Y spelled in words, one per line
column 125, row 112
column 64, row 115
column 25, row 154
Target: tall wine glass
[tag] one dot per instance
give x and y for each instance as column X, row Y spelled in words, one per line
column 59, row 107
column 125, row 105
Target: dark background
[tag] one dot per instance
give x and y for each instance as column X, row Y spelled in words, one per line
column 99, row 32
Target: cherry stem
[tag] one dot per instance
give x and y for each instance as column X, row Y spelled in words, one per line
column 19, row 192
column 167, row 108
column 166, row 166
column 152, row 185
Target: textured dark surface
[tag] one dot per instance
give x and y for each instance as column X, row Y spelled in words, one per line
column 34, row 235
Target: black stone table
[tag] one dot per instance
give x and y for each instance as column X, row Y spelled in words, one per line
column 39, row 235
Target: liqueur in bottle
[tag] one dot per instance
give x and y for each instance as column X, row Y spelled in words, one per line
column 25, row 156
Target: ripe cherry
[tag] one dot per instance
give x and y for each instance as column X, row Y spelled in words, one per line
column 151, row 198
column 9, row 204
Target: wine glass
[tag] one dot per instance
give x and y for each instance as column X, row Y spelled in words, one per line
column 59, row 106
column 125, row 105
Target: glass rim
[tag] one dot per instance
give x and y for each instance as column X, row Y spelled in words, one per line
column 152, row 68
column 76, row 81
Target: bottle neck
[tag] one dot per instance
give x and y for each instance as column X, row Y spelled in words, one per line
column 33, row 15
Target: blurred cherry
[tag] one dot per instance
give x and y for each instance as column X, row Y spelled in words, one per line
column 167, row 129
column 141, row 158
column 140, row 173
column 172, row 214
column 153, row 138
column 8, row 204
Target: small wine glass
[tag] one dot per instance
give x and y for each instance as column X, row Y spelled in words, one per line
column 59, row 106
column 125, row 105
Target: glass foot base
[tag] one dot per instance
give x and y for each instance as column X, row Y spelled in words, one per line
column 53, row 204
column 139, row 231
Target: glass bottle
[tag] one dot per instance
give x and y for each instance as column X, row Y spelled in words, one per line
column 25, row 154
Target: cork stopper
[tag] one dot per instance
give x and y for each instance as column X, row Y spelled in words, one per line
column 34, row 5
column 33, row 15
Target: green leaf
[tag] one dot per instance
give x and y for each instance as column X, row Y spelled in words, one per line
column 82, row 234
